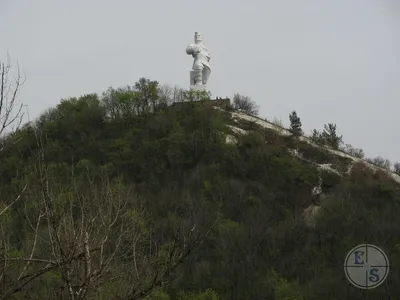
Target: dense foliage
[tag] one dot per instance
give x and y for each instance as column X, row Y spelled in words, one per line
column 130, row 196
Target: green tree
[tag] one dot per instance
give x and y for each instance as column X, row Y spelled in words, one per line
column 148, row 93
column 193, row 95
column 316, row 136
column 330, row 137
column 206, row 295
column 285, row 290
column 295, row 124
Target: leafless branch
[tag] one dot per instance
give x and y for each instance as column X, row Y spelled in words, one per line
column 14, row 201
column 94, row 233
column 10, row 110
column 36, row 231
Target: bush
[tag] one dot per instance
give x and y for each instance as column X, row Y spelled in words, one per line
column 318, row 155
column 245, row 104
column 273, row 137
column 380, row 162
column 248, row 125
column 356, row 152
column 329, row 180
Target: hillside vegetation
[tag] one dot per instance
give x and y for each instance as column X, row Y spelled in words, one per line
column 148, row 192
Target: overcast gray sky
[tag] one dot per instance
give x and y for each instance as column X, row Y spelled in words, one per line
column 333, row 61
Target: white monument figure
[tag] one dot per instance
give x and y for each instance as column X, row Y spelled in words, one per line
column 201, row 65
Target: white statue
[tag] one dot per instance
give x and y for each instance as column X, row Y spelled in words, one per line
column 201, row 65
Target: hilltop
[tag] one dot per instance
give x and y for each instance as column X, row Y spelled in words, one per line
column 149, row 192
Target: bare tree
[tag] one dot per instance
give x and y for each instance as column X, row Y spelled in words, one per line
column 170, row 95
column 10, row 110
column 94, row 235
column 396, row 167
column 357, row 152
column 380, row 162
column 245, row 104
column 74, row 233
column 10, row 117
column 165, row 94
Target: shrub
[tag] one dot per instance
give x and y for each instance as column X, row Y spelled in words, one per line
column 380, row 162
column 245, row 104
column 319, row 155
column 329, row 180
column 356, row 152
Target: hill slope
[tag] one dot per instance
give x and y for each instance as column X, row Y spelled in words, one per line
column 239, row 116
column 122, row 196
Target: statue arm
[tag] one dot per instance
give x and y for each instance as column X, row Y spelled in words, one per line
column 192, row 49
column 208, row 56
column 189, row 50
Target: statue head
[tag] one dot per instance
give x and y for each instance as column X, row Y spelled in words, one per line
column 198, row 37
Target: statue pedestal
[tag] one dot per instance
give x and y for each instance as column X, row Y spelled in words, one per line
column 196, row 87
column 191, row 78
